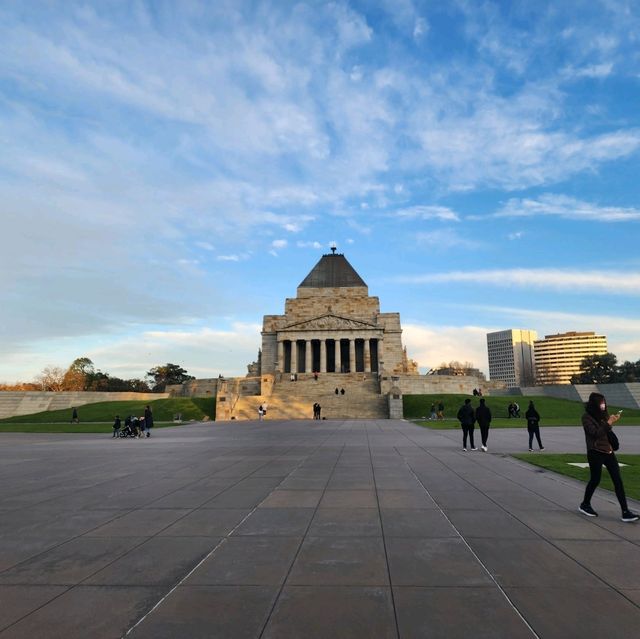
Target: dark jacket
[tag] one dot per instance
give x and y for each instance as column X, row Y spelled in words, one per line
column 533, row 418
column 483, row 415
column 595, row 433
column 148, row 418
column 466, row 415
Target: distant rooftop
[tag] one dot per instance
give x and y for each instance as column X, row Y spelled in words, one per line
column 332, row 271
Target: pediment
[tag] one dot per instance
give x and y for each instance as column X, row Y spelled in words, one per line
column 329, row 323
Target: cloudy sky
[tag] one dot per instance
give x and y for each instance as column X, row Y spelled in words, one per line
column 171, row 171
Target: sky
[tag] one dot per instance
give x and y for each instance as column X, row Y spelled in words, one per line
column 171, row 171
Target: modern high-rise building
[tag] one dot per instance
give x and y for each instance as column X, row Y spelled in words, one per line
column 511, row 356
column 558, row 357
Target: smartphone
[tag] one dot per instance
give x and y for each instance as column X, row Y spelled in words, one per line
column 620, row 411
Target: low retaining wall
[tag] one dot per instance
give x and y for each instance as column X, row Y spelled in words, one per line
column 14, row 403
column 627, row 395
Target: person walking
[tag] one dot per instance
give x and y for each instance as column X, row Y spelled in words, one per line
column 148, row 420
column 483, row 417
column 533, row 426
column 74, row 416
column 433, row 415
column 117, row 424
column 319, row 410
column 440, row 413
column 597, row 424
column 467, row 418
column 260, row 413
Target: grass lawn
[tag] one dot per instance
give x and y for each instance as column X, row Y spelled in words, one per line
column 191, row 408
column 560, row 464
column 553, row 412
column 57, row 427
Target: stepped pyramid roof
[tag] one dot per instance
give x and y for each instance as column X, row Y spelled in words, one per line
column 332, row 271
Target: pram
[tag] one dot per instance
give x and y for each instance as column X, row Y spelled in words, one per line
column 130, row 428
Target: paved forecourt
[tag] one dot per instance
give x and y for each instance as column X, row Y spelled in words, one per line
column 354, row 529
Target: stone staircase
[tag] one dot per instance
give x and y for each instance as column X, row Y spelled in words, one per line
column 294, row 400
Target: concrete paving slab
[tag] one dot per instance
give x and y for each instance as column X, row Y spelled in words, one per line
column 346, row 522
column 210, row 612
column 344, row 561
column 328, row 613
column 457, row 613
column 366, row 484
column 247, row 561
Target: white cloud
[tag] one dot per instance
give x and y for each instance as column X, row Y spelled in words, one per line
column 427, row 212
column 420, row 29
column 432, row 345
column 228, row 258
column 279, row 244
column 516, row 235
column 611, row 282
column 445, row 239
column 314, row 245
column 566, row 207
column 592, row 71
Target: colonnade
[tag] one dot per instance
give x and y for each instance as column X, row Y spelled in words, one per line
column 339, row 355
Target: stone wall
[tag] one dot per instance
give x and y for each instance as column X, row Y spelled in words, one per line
column 438, row 384
column 626, row 395
column 14, row 403
column 194, row 388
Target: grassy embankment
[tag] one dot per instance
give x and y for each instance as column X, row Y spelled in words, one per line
column 553, row 412
column 98, row 418
column 560, row 464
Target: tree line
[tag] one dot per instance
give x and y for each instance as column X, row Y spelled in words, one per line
column 82, row 375
column 604, row 369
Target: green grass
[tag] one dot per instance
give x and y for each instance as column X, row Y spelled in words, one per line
column 191, row 408
column 553, row 412
column 90, row 427
column 559, row 464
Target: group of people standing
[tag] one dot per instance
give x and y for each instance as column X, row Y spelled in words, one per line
column 135, row 426
column 317, row 409
column 468, row 416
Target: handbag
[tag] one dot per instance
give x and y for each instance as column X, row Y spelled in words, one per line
column 613, row 440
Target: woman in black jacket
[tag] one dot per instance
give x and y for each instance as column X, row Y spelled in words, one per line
column 483, row 417
column 597, row 423
column 533, row 426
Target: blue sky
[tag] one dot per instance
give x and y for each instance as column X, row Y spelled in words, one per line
column 172, row 171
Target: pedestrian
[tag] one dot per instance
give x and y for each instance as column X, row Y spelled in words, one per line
column 342, row 391
column 116, row 426
column 315, row 410
column 142, row 425
column 467, row 419
column 148, row 420
column 292, row 377
column 315, row 376
column 597, row 424
column 440, row 413
column 483, row 417
column 510, row 410
column 319, row 410
column 260, row 413
column 433, row 411
column 74, row 416
column 533, row 426
column 337, row 391
column 516, row 409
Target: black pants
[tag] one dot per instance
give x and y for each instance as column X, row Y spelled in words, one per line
column 467, row 430
column 596, row 461
column 534, row 430
column 484, row 433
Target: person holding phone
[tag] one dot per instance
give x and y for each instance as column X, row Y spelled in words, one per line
column 597, row 422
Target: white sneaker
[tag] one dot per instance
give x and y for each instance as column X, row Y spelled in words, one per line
column 484, row 448
column 464, row 449
column 474, row 448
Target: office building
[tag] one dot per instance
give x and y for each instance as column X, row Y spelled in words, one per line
column 510, row 355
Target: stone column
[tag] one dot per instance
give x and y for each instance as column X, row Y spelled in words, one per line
column 367, row 356
column 338, row 360
column 280, row 356
column 294, row 356
column 308, row 359
column 323, row 355
column 352, row 355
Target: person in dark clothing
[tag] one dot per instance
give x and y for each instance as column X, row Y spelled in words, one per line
column 467, row 418
column 597, row 423
column 533, row 426
column 483, row 417
column 440, row 413
column 342, row 391
column 148, row 420
column 74, row 416
column 337, row 391
column 116, row 426
column 318, row 410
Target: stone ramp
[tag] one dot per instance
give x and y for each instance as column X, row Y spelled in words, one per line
column 309, row 529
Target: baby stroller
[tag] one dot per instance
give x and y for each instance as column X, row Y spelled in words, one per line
column 130, row 427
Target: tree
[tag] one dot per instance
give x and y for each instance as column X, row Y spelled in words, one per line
column 629, row 372
column 597, row 369
column 79, row 374
column 51, row 379
column 168, row 374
